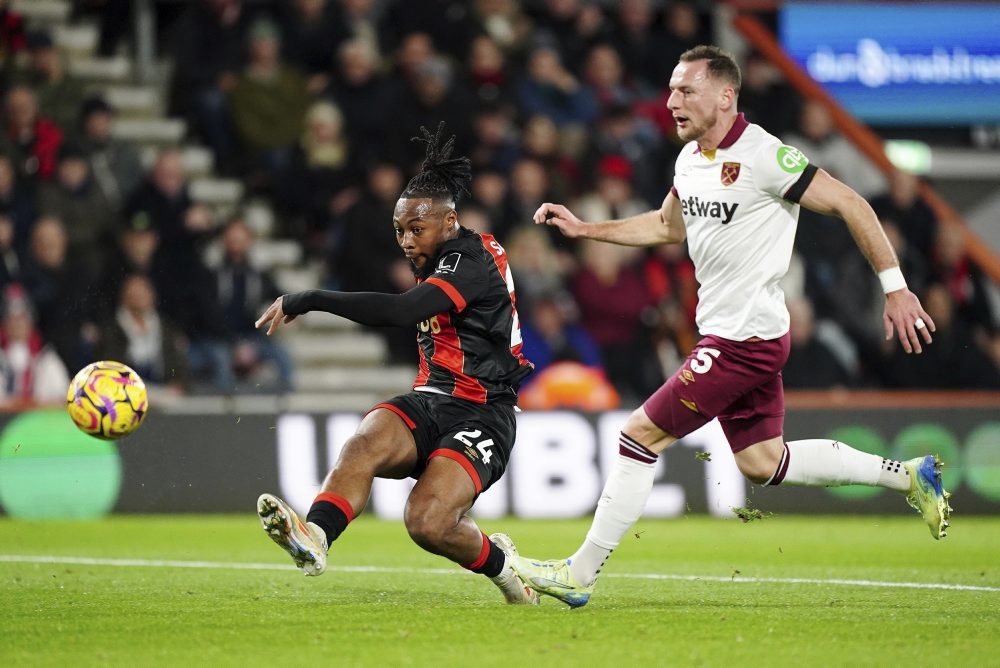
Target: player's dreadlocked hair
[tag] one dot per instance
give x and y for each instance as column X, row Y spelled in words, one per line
column 441, row 176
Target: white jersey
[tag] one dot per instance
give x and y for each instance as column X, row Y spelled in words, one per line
column 740, row 207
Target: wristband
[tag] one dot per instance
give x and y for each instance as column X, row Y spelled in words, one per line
column 891, row 280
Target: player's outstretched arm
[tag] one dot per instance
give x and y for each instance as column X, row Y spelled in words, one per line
column 828, row 196
column 652, row 228
column 367, row 308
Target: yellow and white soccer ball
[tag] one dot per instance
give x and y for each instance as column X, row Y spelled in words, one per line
column 107, row 399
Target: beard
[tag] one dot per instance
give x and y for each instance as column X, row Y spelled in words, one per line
column 694, row 132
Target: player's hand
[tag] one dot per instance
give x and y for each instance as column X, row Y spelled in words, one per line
column 274, row 315
column 561, row 217
column 903, row 310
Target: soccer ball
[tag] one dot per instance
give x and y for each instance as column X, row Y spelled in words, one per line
column 107, row 400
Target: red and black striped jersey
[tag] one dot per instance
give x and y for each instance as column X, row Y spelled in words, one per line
column 473, row 350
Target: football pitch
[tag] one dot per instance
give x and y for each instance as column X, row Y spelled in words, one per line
column 695, row 591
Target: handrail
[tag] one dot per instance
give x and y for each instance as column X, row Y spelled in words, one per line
column 861, row 136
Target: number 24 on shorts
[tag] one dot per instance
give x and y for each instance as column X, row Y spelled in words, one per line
column 483, row 446
column 703, row 358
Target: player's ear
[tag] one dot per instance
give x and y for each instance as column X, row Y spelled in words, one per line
column 727, row 98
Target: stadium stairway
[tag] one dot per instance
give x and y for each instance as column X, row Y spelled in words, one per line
column 340, row 366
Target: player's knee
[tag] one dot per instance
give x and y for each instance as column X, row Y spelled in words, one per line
column 757, row 471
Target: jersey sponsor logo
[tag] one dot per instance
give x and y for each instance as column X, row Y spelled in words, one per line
column 694, row 206
column 449, row 263
column 730, row 172
column 791, row 159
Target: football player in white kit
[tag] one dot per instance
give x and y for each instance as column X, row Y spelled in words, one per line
column 735, row 199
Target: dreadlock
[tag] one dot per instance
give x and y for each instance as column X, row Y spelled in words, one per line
column 441, row 176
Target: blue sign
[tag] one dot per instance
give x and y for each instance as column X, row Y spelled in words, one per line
column 901, row 64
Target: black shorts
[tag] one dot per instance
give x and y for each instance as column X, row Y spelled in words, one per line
column 480, row 437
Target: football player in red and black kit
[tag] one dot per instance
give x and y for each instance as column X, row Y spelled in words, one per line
column 455, row 431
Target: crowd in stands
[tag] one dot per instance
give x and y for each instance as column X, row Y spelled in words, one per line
column 311, row 104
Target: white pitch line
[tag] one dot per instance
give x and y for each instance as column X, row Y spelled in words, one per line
column 222, row 565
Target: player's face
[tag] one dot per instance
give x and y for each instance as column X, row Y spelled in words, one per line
column 694, row 99
column 422, row 226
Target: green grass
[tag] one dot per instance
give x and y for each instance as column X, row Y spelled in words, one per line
column 71, row 614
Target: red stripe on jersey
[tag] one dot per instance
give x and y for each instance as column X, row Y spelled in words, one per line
column 500, row 260
column 398, row 411
column 449, row 290
column 448, row 353
column 466, row 464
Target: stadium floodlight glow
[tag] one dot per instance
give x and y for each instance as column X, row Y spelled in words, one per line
column 909, row 155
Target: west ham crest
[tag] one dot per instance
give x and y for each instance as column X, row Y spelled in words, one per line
column 730, row 172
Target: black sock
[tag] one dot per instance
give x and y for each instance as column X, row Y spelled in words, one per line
column 491, row 559
column 332, row 514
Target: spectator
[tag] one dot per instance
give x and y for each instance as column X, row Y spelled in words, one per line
column 550, row 334
column 504, row 23
column 620, row 131
column 612, row 197
column 413, row 52
column 766, row 98
column 321, row 181
column 549, row 89
column 541, row 141
column 363, row 95
column 75, row 199
column 953, row 361
column 16, row 205
column 313, row 31
column 964, row 282
column 360, row 18
column 604, row 74
column 10, row 260
column 243, row 290
column 569, row 26
column 495, row 145
column 33, row 140
column 448, row 23
column 368, row 256
column 163, row 203
column 136, row 250
column 489, row 194
column 12, row 37
column 539, row 273
column 61, row 291
column 209, row 52
column 613, row 301
column 30, row 371
column 268, row 103
column 488, row 76
column 903, row 205
column 433, row 97
column 818, row 138
column 59, row 95
column 642, row 43
column 115, row 164
column 529, row 184
column 811, row 362
column 669, row 275
column 145, row 339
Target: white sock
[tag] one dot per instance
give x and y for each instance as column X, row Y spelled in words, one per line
column 622, row 502
column 825, row 463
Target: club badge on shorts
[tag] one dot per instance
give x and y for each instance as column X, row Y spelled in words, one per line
column 730, row 172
